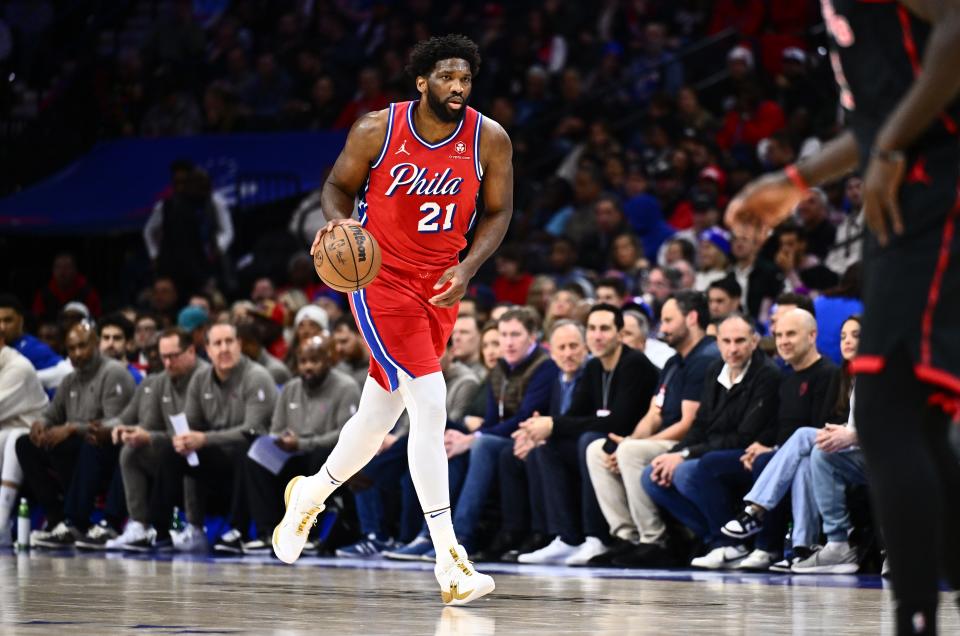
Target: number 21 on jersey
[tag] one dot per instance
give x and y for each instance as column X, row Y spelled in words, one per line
column 429, row 223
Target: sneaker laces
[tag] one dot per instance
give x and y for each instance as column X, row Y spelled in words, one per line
column 60, row 530
column 305, row 520
column 99, row 531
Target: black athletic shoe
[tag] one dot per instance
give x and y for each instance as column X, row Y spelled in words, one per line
column 97, row 537
column 62, row 536
column 230, row 542
column 258, row 546
column 647, row 555
column 617, row 550
column 502, row 543
column 745, row 525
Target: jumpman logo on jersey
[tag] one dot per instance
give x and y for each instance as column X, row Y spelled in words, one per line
column 403, row 149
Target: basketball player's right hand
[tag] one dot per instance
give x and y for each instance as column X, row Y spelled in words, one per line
column 762, row 205
column 326, row 228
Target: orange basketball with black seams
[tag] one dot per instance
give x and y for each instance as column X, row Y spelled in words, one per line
column 348, row 258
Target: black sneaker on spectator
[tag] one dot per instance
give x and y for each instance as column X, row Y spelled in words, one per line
column 62, row 536
column 230, row 542
column 533, row 543
column 647, row 555
column 97, row 537
column 502, row 543
column 258, row 546
column 618, row 549
column 745, row 525
column 312, row 547
column 800, row 553
column 146, row 542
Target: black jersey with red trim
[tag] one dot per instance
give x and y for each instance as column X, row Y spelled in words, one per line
column 876, row 53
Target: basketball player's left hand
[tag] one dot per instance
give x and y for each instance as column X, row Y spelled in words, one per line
column 457, row 277
column 762, row 204
column 881, row 210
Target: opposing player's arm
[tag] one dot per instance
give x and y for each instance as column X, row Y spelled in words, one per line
column 496, row 154
column 364, row 142
column 938, row 82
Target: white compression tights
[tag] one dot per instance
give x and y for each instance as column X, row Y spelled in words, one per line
column 425, row 401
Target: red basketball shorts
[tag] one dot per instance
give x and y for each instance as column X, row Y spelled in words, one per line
column 406, row 335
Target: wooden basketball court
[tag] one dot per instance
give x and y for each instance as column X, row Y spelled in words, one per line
column 115, row 594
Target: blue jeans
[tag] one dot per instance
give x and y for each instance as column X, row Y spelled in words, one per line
column 522, row 506
column 688, row 502
column 789, row 471
column 481, row 475
column 723, row 480
column 831, row 473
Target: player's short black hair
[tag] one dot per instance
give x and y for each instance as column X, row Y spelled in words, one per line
column 119, row 321
column 9, row 301
column 426, row 53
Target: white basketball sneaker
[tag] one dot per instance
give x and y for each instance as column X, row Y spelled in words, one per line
column 459, row 582
column 291, row 534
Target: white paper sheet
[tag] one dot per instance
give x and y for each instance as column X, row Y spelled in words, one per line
column 265, row 452
column 180, row 426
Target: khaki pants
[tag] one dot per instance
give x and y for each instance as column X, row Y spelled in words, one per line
column 628, row 509
column 139, row 467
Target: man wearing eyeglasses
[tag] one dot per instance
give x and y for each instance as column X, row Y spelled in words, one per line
column 144, row 430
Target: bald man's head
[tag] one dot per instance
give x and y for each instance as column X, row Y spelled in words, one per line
column 796, row 338
column 81, row 343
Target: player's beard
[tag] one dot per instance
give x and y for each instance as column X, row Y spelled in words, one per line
column 444, row 114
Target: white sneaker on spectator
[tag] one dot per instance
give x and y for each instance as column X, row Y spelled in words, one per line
column 291, row 533
column 590, row 548
column 133, row 532
column 723, row 558
column 190, row 539
column 757, row 560
column 555, row 552
column 837, row 557
column 459, row 582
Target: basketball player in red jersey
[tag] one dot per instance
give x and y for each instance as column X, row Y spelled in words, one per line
column 895, row 64
column 418, row 169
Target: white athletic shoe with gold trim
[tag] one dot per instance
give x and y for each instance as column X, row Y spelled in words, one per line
column 459, row 582
column 291, row 534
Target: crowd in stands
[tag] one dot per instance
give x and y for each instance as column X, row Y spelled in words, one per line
column 628, row 383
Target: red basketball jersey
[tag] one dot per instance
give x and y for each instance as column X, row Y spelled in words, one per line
column 420, row 198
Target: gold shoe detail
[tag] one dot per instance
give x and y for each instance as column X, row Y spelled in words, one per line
column 454, row 594
column 289, row 489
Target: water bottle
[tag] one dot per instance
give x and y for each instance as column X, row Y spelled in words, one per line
column 23, row 525
column 788, row 542
column 175, row 524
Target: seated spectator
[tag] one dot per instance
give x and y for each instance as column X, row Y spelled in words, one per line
column 50, row 367
column 662, row 283
column 679, row 249
column 352, row 353
column 512, row 283
column 618, row 384
column 836, row 462
column 751, row 119
column 465, row 347
column 562, row 265
column 760, row 281
column 145, row 330
column 369, row 98
column 802, row 271
column 66, row 284
column 194, row 319
column 847, row 248
column 227, row 402
column 833, row 309
column 163, row 300
column 68, row 454
column 813, row 212
column 144, row 430
column 252, row 346
column 807, row 396
column 309, row 321
column 723, row 297
column 541, row 291
column 562, row 305
column 523, row 523
column 611, row 291
column 630, row 514
column 311, row 410
column 22, row 401
column 115, row 332
column 627, row 261
column 714, row 258
column 739, row 401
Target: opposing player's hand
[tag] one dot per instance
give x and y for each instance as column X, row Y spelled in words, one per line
column 326, row 228
column 881, row 210
column 457, row 277
column 762, row 205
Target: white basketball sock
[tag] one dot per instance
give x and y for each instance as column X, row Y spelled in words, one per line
column 359, row 441
column 425, row 398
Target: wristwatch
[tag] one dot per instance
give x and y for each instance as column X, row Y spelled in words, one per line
column 685, row 453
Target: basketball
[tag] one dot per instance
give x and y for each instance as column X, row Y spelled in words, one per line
column 348, row 258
